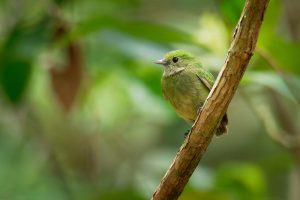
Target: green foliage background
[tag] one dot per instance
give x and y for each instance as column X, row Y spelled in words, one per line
column 102, row 129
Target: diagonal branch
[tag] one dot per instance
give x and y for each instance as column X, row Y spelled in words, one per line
column 240, row 51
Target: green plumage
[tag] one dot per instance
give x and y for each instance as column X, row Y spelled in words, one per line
column 185, row 92
column 186, row 85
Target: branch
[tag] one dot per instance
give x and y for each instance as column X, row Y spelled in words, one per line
column 216, row 104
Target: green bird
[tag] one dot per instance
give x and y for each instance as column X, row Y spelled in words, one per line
column 186, row 85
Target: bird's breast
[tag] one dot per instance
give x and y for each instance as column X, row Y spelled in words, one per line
column 186, row 94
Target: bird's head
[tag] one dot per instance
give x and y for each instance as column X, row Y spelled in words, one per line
column 176, row 61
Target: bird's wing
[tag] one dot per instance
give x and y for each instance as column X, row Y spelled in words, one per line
column 208, row 80
column 205, row 82
column 205, row 77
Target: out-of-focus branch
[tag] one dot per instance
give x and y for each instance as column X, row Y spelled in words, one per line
column 281, row 128
column 277, row 68
column 267, row 118
column 239, row 54
column 292, row 8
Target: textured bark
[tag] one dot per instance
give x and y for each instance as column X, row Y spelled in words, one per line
column 240, row 51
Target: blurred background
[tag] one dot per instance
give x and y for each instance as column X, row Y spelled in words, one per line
column 82, row 116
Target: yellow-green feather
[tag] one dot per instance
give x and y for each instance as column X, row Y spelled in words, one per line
column 186, row 85
column 185, row 92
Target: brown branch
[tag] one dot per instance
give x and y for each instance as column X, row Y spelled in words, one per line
column 216, row 104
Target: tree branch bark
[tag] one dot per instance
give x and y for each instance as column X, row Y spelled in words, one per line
column 240, row 51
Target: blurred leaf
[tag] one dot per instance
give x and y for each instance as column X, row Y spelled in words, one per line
column 270, row 80
column 287, row 59
column 124, row 195
column 17, row 56
column 212, row 34
column 274, row 44
column 151, row 78
column 14, row 77
column 271, row 19
column 274, row 38
column 142, row 29
column 231, row 10
column 196, row 194
column 245, row 180
column 61, row 2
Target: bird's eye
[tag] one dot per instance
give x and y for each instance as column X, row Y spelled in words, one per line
column 175, row 59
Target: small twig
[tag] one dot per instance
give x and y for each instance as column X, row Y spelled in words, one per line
column 239, row 54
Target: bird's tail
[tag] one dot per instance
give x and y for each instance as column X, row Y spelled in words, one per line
column 222, row 129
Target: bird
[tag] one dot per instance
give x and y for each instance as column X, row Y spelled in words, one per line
column 186, row 85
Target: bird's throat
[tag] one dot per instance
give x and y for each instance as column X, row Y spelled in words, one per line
column 172, row 71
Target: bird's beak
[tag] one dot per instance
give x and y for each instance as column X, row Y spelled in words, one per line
column 161, row 62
